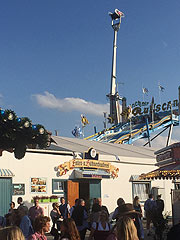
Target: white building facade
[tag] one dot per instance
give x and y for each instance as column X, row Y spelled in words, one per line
column 112, row 172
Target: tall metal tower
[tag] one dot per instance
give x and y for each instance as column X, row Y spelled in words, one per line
column 114, row 116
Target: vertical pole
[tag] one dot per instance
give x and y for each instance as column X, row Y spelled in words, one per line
column 159, row 93
column 113, row 73
column 105, row 120
column 130, row 128
column 169, row 135
column 179, row 99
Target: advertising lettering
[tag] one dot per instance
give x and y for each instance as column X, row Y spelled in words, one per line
column 140, row 108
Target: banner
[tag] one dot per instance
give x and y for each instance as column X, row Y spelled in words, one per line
column 62, row 169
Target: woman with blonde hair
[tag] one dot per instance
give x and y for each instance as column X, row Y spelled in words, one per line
column 11, row 233
column 69, row 230
column 125, row 229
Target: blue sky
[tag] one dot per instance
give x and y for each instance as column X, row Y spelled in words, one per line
column 55, row 57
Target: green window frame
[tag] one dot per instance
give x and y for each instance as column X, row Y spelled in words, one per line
column 58, row 186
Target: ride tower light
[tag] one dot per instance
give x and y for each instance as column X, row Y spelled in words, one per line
column 114, row 97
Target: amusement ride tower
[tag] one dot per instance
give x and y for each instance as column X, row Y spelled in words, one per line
column 114, row 116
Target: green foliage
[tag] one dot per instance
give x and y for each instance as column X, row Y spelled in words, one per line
column 17, row 133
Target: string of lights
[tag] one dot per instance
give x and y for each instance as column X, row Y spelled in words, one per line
column 17, row 133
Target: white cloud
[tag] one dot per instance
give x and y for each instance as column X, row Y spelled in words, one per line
column 48, row 100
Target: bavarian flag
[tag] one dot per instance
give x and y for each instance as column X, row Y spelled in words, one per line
column 84, row 120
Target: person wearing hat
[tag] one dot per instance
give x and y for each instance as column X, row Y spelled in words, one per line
column 129, row 211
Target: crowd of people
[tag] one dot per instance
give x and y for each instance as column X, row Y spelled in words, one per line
column 71, row 223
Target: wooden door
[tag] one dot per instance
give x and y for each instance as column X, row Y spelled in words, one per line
column 72, row 192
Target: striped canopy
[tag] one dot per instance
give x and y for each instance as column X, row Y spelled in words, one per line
column 6, row 173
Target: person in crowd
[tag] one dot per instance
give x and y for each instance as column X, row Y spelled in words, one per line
column 56, row 219
column 103, row 207
column 129, row 211
column 25, row 223
column 35, row 211
column 149, row 207
column 174, row 232
column 11, row 233
column 100, row 229
column 80, row 216
column 72, row 208
column 94, row 216
column 2, row 221
column 120, row 202
column 41, row 226
column 13, row 219
column 125, row 229
column 69, row 230
column 12, row 206
column 21, row 204
column 159, row 205
column 64, row 208
column 136, row 205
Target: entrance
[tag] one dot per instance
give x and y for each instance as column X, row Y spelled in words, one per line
column 87, row 189
column 6, row 195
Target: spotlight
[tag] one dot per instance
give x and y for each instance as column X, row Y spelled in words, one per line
column 10, row 117
column 41, row 130
column 26, row 124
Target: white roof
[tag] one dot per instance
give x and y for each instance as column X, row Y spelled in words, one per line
column 81, row 145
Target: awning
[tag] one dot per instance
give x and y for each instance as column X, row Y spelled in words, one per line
column 171, row 171
column 136, row 178
column 6, row 173
column 90, row 174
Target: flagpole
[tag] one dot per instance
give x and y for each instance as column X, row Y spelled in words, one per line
column 159, row 92
column 143, row 92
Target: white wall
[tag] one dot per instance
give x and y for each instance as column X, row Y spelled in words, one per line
column 42, row 165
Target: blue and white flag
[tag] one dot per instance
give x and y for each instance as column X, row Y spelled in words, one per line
column 145, row 90
column 76, row 132
column 161, row 88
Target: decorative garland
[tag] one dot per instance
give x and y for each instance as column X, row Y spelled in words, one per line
column 16, row 133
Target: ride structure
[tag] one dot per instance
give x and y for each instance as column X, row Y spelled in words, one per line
column 142, row 118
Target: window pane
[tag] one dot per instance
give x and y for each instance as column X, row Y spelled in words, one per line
column 141, row 190
column 58, row 186
column 177, row 186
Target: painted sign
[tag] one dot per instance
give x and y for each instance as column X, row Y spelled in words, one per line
column 62, row 169
column 19, row 189
column 139, row 108
column 38, row 185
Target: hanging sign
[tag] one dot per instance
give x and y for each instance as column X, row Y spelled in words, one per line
column 62, row 169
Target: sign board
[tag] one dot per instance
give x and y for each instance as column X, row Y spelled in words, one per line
column 62, row 169
column 38, row 185
column 141, row 108
column 19, row 189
